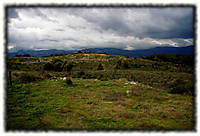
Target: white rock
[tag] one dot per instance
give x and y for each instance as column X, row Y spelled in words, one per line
column 107, row 102
column 133, row 83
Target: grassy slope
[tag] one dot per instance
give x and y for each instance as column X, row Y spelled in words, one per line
column 113, row 103
column 90, row 104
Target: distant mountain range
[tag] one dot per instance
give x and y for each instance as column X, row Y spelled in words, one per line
column 189, row 50
column 144, row 52
column 39, row 53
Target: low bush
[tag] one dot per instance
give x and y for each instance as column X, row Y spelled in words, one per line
column 69, row 66
column 58, row 66
column 180, row 86
column 55, row 65
column 29, row 77
column 100, row 67
column 69, row 80
column 48, row 66
column 80, row 74
column 47, row 75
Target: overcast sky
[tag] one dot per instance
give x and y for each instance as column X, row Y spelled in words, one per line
column 80, row 28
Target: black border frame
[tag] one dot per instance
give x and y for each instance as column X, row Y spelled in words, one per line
column 53, row 5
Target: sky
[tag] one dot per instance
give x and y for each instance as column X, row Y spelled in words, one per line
column 80, row 28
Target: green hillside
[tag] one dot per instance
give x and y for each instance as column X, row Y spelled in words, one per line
column 100, row 92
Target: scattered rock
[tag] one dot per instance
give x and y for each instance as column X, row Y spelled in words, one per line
column 107, row 102
column 128, row 91
column 133, row 83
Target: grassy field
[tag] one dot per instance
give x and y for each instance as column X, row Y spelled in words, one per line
column 121, row 99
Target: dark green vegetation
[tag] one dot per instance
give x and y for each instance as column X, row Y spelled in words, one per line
column 100, row 92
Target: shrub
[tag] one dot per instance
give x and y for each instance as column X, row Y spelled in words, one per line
column 47, row 75
column 124, row 64
column 69, row 80
column 118, row 65
column 69, row 67
column 55, row 65
column 179, row 86
column 48, row 66
column 55, row 60
column 100, row 67
column 29, row 77
column 89, row 76
column 58, row 66
column 121, row 64
column 80, row 74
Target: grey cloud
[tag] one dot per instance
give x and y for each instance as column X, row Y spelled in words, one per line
column 59, row 30
column 79, row 28
column 69, row 39
column 49, row 40
column 12, row 13
column 105, row 18
column 42, row 15
column 178, row 21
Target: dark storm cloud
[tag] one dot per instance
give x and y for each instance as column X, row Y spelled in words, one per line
column 79, row 28
column 145, row 22
column 180, row 23
column 107, row 19
column 12, row 13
